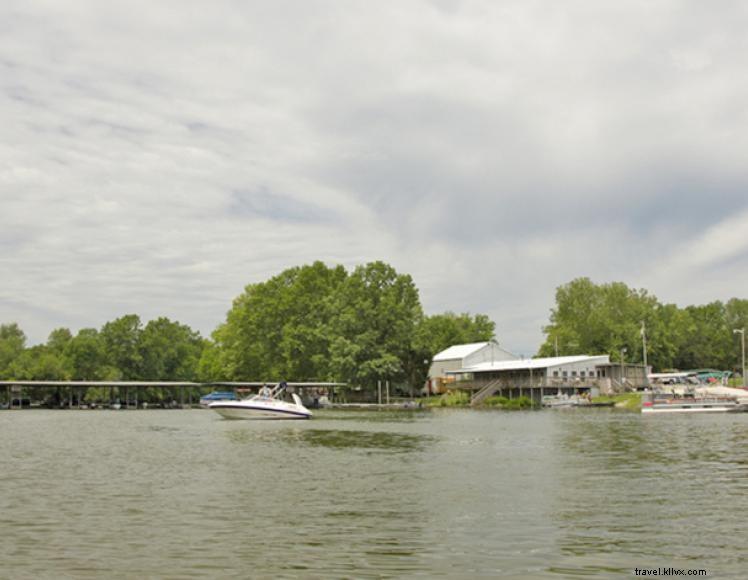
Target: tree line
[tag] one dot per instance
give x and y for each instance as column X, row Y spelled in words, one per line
column 308, row 323
column 320, row 323
column 617, row 320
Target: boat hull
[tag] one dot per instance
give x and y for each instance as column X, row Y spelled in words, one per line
column 695, row 407
column 253, row 410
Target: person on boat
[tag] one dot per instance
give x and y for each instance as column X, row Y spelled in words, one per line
column 265, row 392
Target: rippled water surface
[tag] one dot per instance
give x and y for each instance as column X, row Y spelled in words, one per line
column 354, row 494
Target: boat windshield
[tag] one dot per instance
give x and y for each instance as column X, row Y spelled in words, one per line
column 266, row 392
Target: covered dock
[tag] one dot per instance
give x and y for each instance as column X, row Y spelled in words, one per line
column 132, row 394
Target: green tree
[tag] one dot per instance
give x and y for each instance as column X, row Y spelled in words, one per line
column 38, row 363
column 12, row 344
column 58, row 339
column 707, row 340
column 212, row 365
column 736, row 311
column 590, row 318
column 86, row 357
column 120, row 339
column 437, row 332
column 277, row 329
column 169, row 351
column 376, row 313
column 599, row 319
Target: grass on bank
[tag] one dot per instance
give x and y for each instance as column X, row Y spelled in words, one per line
column 462, row 399
column 630, row 401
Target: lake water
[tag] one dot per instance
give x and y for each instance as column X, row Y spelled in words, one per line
column 367, row 494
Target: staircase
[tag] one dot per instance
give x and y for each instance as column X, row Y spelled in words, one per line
column 485, row 392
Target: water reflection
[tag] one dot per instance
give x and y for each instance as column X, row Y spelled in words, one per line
column 384, row 441
column 369, row 440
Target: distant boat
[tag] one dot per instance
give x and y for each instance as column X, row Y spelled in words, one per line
column 265, row 405
column 560, row 401
column 206, row 400
column 693, row 405
column 687, row 405
column 702, row 399
column 565, row 401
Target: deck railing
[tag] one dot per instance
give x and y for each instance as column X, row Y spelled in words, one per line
column 477, row 385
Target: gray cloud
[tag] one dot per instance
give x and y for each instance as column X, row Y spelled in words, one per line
column 155, row 158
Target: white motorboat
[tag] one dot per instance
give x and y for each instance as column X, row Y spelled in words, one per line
column 265, row 405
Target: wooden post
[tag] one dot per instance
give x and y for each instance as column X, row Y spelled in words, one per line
column 388, row 392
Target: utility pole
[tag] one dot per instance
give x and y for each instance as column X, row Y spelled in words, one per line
column 741, row 332
column 644, row 349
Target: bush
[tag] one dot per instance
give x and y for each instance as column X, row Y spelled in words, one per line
column 522, row 402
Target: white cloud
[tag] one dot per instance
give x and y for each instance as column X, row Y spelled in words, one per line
column 155, row 158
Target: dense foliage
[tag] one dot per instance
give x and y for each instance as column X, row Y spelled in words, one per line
column 308, row 323
column 607, row 318
column 316, row 323
column 122, row 350
column 320, row 323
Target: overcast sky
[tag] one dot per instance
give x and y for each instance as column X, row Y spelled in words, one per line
column 156, row 157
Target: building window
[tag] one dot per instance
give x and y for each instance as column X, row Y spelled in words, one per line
column 566, row 374
column 582, row 374
column 573, row 373
column 555, row 374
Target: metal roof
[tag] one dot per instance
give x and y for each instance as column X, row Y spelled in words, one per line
column 157, row 384
column 459, row 351
column 531, row 363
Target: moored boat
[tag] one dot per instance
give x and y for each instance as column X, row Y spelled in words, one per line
column 694, row 405
column 560, row 401
column 206, row 400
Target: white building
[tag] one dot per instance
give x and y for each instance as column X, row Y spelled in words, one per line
column 548, row 370
column 462, row 356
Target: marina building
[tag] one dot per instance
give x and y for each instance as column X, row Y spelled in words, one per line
column 534, row 377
